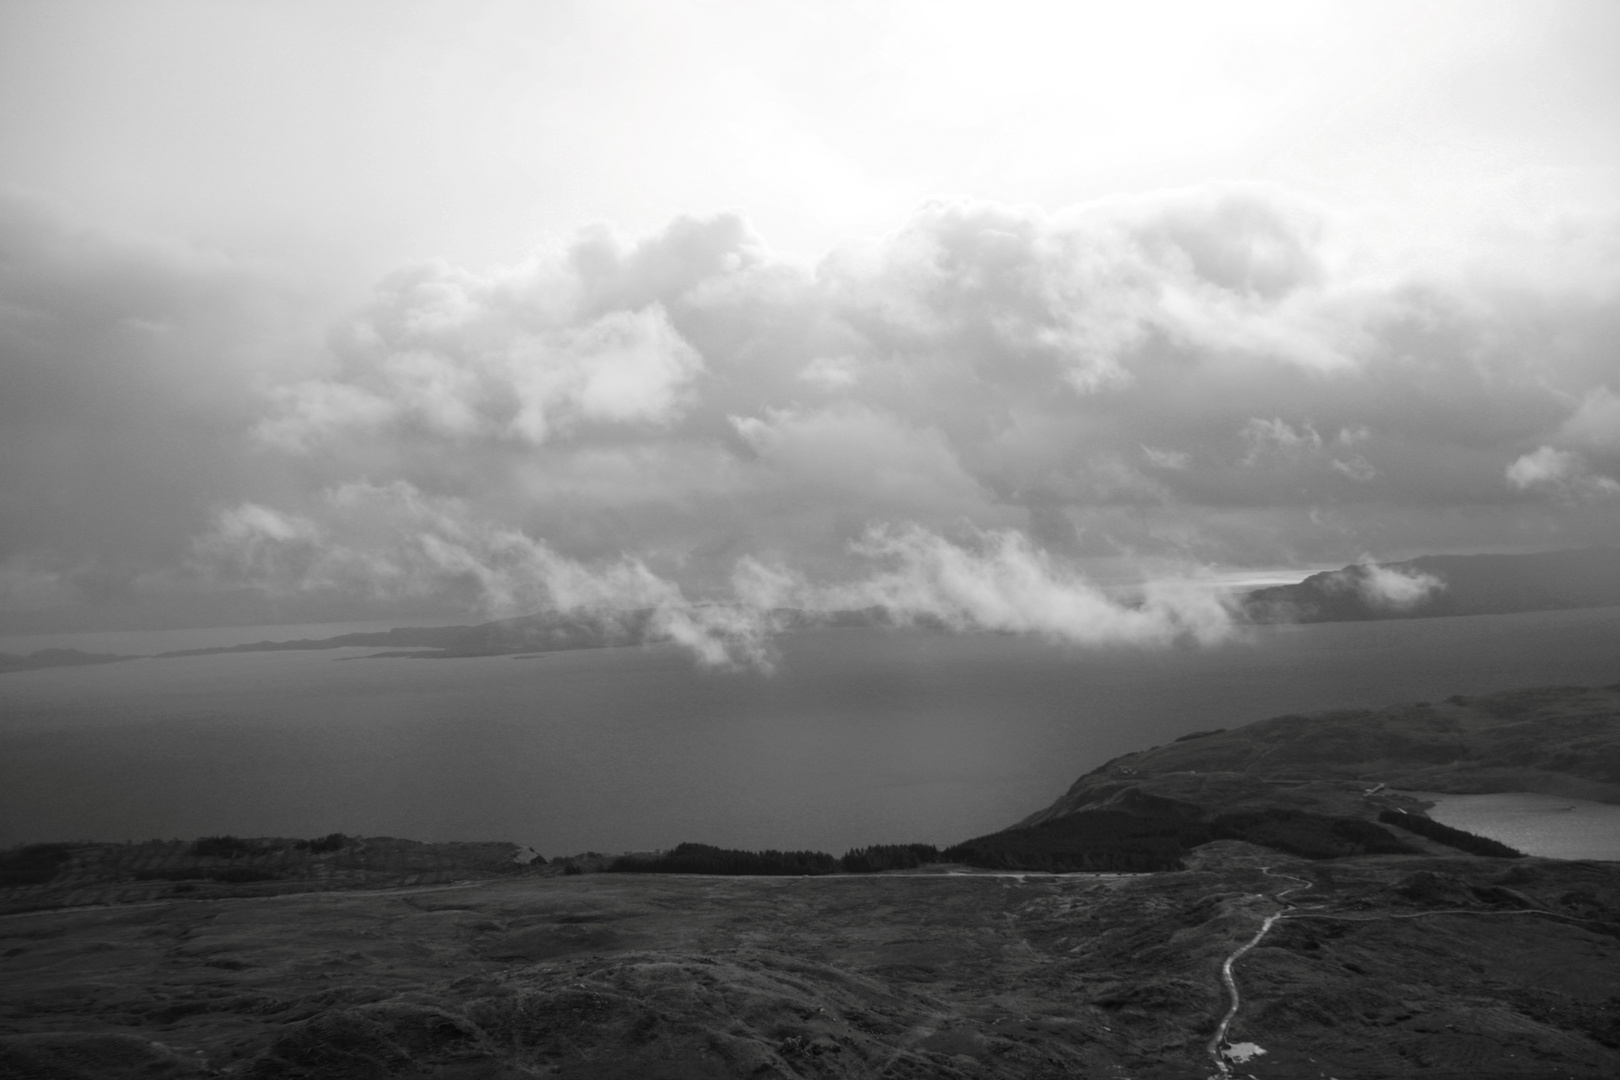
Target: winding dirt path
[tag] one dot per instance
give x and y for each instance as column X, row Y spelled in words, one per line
column 1217, row 1045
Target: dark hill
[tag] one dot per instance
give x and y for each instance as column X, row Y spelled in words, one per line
column 1466, row 585
column 1320, row 786
column 1558, row 740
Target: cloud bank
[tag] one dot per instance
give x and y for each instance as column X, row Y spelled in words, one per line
column 1393, row 589
column 391, row 542
column 955, row 420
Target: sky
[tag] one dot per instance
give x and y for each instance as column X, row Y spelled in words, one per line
column 337, row 311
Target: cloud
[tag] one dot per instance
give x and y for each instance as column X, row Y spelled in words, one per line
column 449, row 377
column 259, row 544
column 857, row 455
column 1356, row 468
column 829, row 373
column 1000, row 581
column 1543, row 466
column 1395, row 590
column 1214, row 374
column 1165, row 459
column 1129, row 375
column 1268, row 438
column 393, row 540
column 1561, row 472
column 26, row 585
column 1381, row 587
column 1595, row 425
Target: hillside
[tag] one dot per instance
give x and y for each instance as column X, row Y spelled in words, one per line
column 1324, row 786
column 1557, row 740
column 1435, row 585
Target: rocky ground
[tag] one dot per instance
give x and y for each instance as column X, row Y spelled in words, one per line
column 1392, row 966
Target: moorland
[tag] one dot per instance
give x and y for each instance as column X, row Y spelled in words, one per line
column 1302, row 917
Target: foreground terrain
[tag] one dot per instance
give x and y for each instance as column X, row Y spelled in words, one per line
column 1387, row 966
column 1306, row 920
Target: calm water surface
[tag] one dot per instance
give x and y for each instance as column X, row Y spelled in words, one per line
column 1548, row 825
column 863, row 736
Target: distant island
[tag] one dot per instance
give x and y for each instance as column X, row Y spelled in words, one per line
column 1435, row 585
column 49, row 658
column 1432, row 585
column 519, row 636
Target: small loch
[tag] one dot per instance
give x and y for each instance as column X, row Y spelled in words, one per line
column 1551, row 826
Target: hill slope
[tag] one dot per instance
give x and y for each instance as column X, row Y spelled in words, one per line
column 1557, row 740
column 1322, row 786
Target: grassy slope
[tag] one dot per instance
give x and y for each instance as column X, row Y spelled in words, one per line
column 1318, row 786
column 1554, row 740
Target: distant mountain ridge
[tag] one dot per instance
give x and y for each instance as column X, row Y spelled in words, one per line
column 1435, row 585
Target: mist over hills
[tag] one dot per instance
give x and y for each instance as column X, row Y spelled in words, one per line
column 1428, row 586
column 1435, row 585
column 518, row 636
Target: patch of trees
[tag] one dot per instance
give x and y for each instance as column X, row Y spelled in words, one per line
column 233, row 875
column 330, row 842
column 1199, row 734
column 235, row 847
column 880, row 857
column 1460, row 839
column 1096, row 840
column 224, row 847
column 33, row 864
column 1115, row 841
column 1311, row 836
column 707, row 859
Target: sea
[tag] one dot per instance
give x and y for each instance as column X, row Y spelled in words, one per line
column 860, row 736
